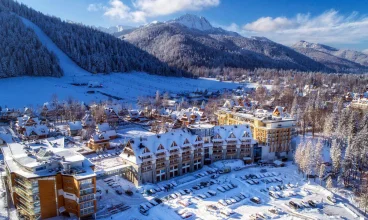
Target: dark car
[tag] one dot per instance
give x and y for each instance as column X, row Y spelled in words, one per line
column 312, row 203
column 159, row 201
column 129, row 192
column 118, row 191
column 256, row 200
column 294, row 205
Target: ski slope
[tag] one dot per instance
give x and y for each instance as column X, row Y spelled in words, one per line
column 66, row 64
column 19, row 92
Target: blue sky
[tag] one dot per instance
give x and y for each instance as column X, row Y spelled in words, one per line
column 339, row 23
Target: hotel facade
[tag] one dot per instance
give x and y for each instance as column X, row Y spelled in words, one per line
column 160, row 157
column 45, row 180
column 272, row 131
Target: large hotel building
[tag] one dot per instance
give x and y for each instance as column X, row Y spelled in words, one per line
column 160, row 157
column 46, row 180
column 272, row 130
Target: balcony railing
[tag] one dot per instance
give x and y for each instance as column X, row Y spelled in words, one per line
column 86, row 198
column 86, row 192
column 25, row 183
column 174, row 161
column 29, row 210
column 87, row 186
column 160, row 165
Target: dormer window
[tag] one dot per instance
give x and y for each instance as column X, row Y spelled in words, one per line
column 174, row 144
column 246, row 134
column 146, row 150
column 160, row 147
column 232, row 135
column 186, row 141
column 198, row 138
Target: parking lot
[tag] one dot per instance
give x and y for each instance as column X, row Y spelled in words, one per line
column 249, row 193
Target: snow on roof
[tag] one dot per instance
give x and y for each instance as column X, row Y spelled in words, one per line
column 37, row 129
column 76, row 125
column 233, row 132
column 177, row 139
column 103, row 127
column 22, row 121
column 45, row 158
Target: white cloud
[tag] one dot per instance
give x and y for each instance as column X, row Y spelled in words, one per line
column 266, row 24
column 328, row 27
column 143, row 9
column 95, row 7
column 365, row 51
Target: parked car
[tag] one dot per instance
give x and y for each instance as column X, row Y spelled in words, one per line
column 256, row 200
column 118, row 191
column 294, row 205
column 312, row 203
column 331, row 199
column 129, row 192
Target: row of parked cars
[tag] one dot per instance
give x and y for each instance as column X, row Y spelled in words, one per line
column 116, row 186
column 232, row 200
column 162, row 188
column 185, row 214
column 145, row 207
column 204, row 184
column 205, row 195
column 207, row 172
column 179, row 193
column 303, row 204
column 226, row 187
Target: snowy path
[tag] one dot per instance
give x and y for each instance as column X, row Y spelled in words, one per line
column 68, row 66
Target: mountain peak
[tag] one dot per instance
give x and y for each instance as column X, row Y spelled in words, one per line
column 193, row 21
column 322, row 47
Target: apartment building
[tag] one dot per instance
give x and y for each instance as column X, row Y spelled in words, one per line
column 47, row 180
column 160, row 157
column 272, row 130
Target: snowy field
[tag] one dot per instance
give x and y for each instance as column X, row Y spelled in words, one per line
column 32, row 91
column 297, row 190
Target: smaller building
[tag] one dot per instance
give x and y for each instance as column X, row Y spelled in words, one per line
column 30, row 128
column 75, row 128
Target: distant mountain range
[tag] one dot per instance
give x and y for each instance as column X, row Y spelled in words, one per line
column 339, row 60
column 191, row 43
column 115, row 29
column 185, row 46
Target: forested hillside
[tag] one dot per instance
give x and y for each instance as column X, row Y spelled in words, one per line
column 21, row 53
column 93, row 50
column 190, row 43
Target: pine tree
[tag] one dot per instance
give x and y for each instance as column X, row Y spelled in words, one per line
column 329, row 183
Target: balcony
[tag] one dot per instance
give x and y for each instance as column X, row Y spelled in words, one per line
column 175, row 161
column 160, row 165
column 186, row 158
column 217, row 144
column 30, row 210
column 86, row 198
column 25, row 183
column 86, row 192
column 87, row 186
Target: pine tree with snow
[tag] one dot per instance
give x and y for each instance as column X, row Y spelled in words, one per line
column 329, row 183
column 321, row 173
column 335, row 154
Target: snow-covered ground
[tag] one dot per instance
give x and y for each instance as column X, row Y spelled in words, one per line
column 243, row 209
column 21, row 91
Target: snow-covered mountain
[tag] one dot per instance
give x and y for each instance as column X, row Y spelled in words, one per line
column 340, row 60
column 191, row 43
column 193, row 21
column 114, row 29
